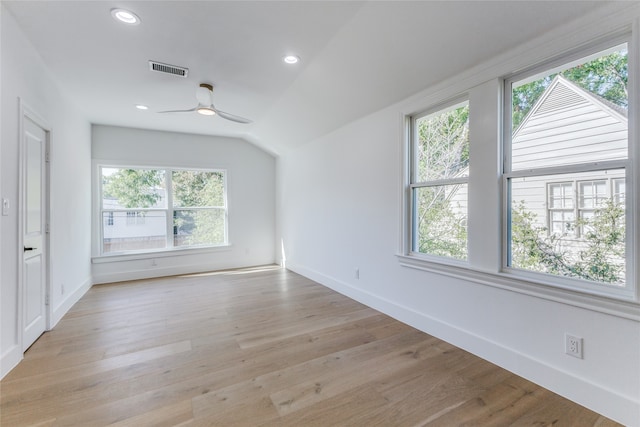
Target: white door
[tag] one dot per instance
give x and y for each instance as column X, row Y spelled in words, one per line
column 34, row 265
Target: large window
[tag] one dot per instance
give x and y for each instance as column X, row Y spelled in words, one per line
column 439, row 181
column 154, row 209
column 566, row 164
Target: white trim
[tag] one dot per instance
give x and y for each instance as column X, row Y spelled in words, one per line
column 569, row 169
column 10, row 359
column 550, row 291
column 605, row 401
column 633, row 171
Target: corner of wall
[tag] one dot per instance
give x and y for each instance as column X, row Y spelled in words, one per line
column 58, row 312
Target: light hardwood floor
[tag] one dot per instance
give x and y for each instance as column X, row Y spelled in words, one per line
column 258, row 347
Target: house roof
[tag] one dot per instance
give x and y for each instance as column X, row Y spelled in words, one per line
column 569, row 125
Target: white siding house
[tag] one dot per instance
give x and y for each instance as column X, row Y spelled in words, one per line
column 568, row 125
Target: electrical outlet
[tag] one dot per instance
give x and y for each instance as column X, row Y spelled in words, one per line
column 357, row 273
column 62, row 289
column 573, row 345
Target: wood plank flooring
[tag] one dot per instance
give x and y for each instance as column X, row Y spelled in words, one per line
column 258, row 347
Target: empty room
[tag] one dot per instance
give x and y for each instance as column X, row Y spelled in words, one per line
column 319, row 213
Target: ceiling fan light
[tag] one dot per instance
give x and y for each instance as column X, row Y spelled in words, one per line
column 125, row 16
column 206, row 111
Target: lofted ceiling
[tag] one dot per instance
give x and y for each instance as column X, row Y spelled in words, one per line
column 356, row 57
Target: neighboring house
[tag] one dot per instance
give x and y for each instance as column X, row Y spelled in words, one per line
column 126, row 229
column 569, row 125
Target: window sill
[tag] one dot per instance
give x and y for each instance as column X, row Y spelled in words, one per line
column 161, row 253
column 624, row 308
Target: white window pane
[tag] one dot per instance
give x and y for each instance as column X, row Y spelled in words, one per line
column 132, row 231
column 440, row 220
column 133, row 188
column 547, row 240
column 198, row 189
column 442, row 144
column 199, row 227
column 571, row 116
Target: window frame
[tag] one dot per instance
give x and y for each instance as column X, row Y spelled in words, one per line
column 168, row 209
column 414, row 185
column 485, row 88
column 629, row 291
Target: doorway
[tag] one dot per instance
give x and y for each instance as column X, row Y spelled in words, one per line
column 34, row 195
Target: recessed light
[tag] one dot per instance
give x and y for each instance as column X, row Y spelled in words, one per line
column 291, row 59
column 125, row 16
column 142, row 107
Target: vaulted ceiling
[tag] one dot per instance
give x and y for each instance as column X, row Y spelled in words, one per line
column 356, row 57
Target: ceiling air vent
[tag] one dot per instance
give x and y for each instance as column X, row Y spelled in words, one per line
column 168, row 69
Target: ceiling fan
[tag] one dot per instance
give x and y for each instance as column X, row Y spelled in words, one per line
column 205, row 106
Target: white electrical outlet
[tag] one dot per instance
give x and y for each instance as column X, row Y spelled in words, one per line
column 573, row 345
column 357, row 273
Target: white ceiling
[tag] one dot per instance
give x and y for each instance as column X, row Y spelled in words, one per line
column 357, row 57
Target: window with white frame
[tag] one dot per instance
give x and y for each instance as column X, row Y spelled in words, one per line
column 566, row 134
column 566, row 217
column 147, row 209
column 439, row 181
column 561, row 208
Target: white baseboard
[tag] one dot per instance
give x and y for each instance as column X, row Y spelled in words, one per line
column 609, row 403
column 10, row 360
column 67, row 303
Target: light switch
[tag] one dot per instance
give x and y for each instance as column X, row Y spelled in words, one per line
column 5, row 206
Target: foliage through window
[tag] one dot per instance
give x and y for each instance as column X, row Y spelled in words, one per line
column 565, row 168
column 439, row 181
column 153, row 209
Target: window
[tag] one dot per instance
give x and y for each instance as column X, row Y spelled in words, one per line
column 568, row 134
column 439, row 181
column 593, row 197
column 134, row 218
column 155, row 209
column 561, row 215
column 109, row 219
column 198, row 208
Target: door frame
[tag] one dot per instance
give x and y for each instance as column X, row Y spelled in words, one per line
column 26, row 112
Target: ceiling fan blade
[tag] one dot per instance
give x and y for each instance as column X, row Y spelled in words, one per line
column 179, row 111
column 233, row 117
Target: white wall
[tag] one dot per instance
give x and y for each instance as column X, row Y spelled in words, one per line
column 339, row 207
column 250, row 198
column 25, row 77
